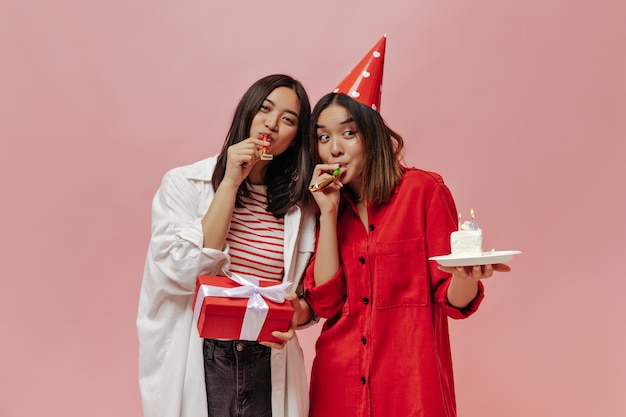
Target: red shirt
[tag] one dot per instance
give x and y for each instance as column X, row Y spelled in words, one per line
column 384, row 350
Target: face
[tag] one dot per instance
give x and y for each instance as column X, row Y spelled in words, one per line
column 339, row 142
column 277, row 118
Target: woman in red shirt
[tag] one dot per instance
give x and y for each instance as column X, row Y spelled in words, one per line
column 384, row 350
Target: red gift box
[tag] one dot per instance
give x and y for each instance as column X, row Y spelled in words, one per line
column 220, row 316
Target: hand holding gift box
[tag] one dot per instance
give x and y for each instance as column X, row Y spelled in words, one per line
column 237, row 308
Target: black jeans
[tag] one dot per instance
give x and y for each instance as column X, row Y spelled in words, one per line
column 238, row 378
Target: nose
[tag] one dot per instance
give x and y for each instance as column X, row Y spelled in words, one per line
column 335, row 147
column 271, row 122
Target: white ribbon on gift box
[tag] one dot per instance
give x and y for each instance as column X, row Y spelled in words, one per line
column 256, row 310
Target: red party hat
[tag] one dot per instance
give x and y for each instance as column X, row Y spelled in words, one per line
column 364, row 83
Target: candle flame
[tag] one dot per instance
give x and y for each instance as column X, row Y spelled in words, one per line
column 472, row 213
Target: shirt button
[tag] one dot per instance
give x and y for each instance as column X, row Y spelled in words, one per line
column 239, row 347
column 363, row 380
column 366, row 300
column 364, row 340
column 371, row 227
column 362, row 260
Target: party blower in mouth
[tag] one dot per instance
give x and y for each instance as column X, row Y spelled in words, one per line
column 325, row 182
column 264, row 155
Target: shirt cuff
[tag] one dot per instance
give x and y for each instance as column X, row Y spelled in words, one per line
column 195, row 235
column 326, row 299
column 453, row 312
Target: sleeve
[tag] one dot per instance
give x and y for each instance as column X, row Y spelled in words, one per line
column 327, row 299
column 177, row 237
column 441, row 220
column 441, row 298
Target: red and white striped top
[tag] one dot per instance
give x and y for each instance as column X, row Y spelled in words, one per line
column 256, row 238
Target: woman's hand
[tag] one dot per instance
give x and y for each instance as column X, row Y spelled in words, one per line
column 326, row 198
column 290, row 333
column 240, row 159
column 475, row 272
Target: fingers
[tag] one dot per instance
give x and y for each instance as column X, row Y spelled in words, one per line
column 289, row 334
column 274, row 345
column 326, row 178
column 501, row 268
column 249, row 144
column 325, row 175
column 321, row 184
column 285, row 336
column 241, row 157
column 475, row 271
column 324, row 168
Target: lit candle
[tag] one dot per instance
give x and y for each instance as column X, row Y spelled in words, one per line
column 459, row 223
column 473, row 222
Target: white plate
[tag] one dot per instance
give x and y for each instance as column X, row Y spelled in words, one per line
column 493, row 257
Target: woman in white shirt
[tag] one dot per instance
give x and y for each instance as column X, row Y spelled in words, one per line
column 241, row 211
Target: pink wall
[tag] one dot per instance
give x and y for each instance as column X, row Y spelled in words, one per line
column 520, row 105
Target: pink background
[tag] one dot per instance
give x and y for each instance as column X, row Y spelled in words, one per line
column 519, row 105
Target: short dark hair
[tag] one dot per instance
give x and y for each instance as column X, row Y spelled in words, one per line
column 288, row 175
column 383, row 147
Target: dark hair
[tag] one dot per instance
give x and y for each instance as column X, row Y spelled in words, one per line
column 383, row 147
column 288, row 175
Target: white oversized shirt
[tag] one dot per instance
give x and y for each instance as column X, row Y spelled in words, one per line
column 171, row 368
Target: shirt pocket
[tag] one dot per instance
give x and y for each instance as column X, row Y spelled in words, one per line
column 401, row 273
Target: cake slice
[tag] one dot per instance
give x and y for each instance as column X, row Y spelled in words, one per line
column 467, row 242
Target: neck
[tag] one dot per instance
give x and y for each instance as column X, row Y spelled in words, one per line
column 355, row 193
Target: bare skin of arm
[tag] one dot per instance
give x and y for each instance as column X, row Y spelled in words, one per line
column 327, row 251
column 242, row 162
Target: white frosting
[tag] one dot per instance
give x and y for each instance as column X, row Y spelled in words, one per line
column 467, row 242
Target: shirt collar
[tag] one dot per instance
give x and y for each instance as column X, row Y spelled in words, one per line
column 202, row 170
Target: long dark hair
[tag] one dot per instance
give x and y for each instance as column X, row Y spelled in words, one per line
column 383, row 147
column 288, row 175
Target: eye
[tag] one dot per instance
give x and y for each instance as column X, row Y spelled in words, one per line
column 265, row 107
column 323, row 138
column 289, row 120
column 349, row 133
